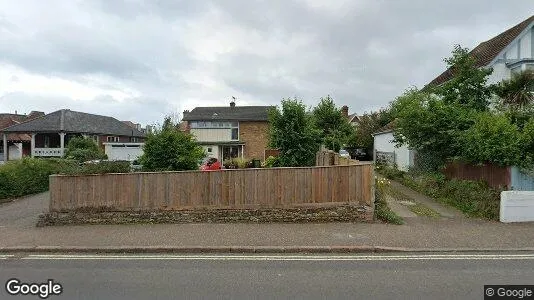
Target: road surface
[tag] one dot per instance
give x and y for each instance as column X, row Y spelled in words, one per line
column 416, row 276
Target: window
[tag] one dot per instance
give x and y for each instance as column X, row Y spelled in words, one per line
column 46, row 141
column 134, row 139
column 209, row 150
column 235, row 133
column 113, row 139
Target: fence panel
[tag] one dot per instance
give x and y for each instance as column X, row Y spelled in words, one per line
column 226, row 189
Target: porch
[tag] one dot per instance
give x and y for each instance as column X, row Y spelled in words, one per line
column 41, row 145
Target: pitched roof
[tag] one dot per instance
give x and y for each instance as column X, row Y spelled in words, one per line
column 387, row 128
column 236, row 113
column 485, row 52
column 66, row 120
column 354, row 118
column 7, row 120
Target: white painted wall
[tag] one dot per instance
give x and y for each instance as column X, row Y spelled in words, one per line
column 123, row 151
column 214, row 150
column 526, row 45
column 500, row 73
column 212, row 134
column 15, row 151
column 517, row 206
column 384, row 142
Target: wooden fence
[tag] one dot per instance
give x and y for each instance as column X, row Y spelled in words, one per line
column 495, row 176
column 331, row 158
column 226, row 189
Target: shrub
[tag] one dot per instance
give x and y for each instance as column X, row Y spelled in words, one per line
column 238, row 163
column 83, row 149
column 271, row 162
column 102, row 167
column 382, row 211
column 30, row 175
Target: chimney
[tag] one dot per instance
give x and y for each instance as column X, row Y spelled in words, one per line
column 232, row 104
column 345, row 111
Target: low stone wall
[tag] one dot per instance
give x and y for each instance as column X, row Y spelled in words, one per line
column 344, row 213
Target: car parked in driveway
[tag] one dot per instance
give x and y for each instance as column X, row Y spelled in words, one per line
column 344, row 153
column 211, row 164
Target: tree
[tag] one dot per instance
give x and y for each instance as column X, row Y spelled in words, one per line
column 493, row 139
column 370, row 123
column 468, row 86
column 427, row 124
column 168, row 149
column 335, row 128
column 83, row 149
column 293, row 132
column 518, row 92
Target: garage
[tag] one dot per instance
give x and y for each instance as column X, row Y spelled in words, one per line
column 123, row 151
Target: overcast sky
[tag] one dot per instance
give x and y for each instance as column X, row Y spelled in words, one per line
column 140, row 60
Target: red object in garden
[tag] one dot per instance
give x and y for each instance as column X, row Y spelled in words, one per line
column 211, row 164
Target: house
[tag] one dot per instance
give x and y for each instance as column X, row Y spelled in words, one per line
column 385, row 149
column 508, row 53
column 48, row 134
column 18, row 145
column 231, row 131
column 354, row 119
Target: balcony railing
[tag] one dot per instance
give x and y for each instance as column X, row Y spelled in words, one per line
column 48, row 152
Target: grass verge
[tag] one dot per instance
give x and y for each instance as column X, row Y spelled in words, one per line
column 382, row 210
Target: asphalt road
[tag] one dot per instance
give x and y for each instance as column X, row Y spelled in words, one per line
column 268, row 277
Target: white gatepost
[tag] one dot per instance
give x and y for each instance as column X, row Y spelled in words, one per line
column 32, row 145
column 5, row 147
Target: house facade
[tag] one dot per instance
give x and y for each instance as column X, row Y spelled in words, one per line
column 508, row 53
column 231, row 131
column 385, row 149
column 49, row 134
column 18, row 145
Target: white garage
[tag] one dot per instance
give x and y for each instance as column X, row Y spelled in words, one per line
column 123, row 151
column 384, row 146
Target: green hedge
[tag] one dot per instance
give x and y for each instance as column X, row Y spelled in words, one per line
column 30, row 175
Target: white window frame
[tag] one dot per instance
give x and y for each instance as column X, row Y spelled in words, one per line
column 113, row 139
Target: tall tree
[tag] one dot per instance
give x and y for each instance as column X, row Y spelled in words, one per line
column 468, row 86
column 334, row 126
column 168, row 149
column 293, row 132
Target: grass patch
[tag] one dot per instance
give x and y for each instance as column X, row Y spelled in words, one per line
column 474, row 198
column 382, row 210
column 421, row 210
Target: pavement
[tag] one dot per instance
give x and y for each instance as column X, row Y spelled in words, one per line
column 18, row 233
column 269, row 276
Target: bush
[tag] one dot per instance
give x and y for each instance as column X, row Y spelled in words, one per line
column 382, row 211
column 83, row 149
column 271, row 162
column 30, row 175
column 238, row 163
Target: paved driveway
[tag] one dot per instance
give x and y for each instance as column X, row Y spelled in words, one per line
column 23, row 212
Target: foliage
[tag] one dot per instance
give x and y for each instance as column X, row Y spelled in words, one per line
column 429, row 125
column 518, row 91
column 168, row 149
column 84, row 149
column 468, row 86
column 294, row 133
column 271, row 162
column 237, row 163
column 369, row 124
column 30, row 175
column 527, row 142
column 334, row 126
column 382, row 211
column 493, row 139
column 101, row 167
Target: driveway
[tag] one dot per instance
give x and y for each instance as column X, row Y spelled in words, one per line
column 23, row 212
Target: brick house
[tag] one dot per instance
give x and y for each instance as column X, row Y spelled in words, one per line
column 231, row 131
column 48, row 134
column 18, row 145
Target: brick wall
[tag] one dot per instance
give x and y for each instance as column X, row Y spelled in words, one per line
column 255, row 135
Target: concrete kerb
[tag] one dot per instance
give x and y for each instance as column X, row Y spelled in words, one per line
column 248, row 249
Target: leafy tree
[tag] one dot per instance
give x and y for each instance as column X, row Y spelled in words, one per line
column 335, row 128
column 84, row 149
column 493, row 139
column 527, row 142
column 429, row 125
column 369, row 124
column 518, row 92
column 294, row 133
column 468, row 86
column 168, row 149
